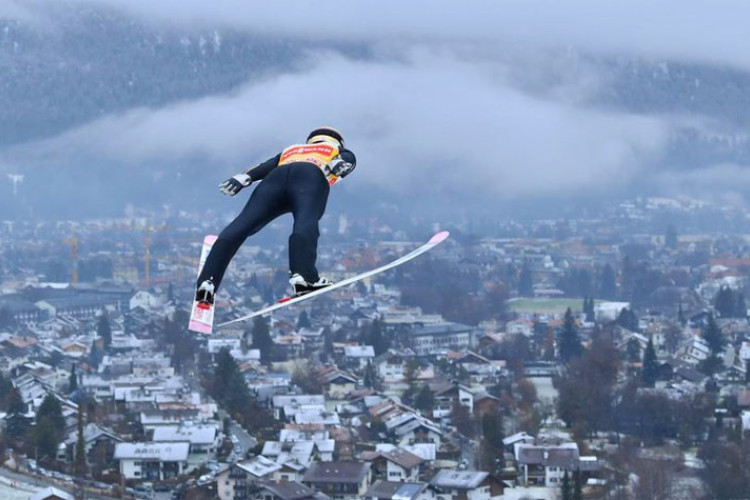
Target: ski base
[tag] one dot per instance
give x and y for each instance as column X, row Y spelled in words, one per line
column 202, row 313
column 201, row 318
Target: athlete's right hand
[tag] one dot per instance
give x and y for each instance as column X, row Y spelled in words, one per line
column 233, row 185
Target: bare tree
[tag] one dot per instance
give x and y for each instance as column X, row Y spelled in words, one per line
column 654, row 478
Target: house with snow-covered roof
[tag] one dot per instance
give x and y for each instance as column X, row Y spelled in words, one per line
column 203, row 438
column 152, row 461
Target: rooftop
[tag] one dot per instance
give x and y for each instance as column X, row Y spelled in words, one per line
column 458, row 480
column 336, row 472
column 402, row 457
column 288, row 490
column 195, row 434
column 393, row 490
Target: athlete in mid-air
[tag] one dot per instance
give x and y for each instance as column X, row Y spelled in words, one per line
column 295, row 181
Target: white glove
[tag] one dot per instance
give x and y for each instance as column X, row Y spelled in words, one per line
column 233, row 185
column 340, row 168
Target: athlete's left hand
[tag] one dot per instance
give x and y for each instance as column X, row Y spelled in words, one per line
column 234, row 185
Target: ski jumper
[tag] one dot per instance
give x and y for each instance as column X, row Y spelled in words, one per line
column 295, row 181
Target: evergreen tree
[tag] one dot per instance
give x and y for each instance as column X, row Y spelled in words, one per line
column 328, row 341
column 50, row 427
column 5, row 387
column 262, row 339
column 424, row 400
column 376, row 337
column 608, row 283
column 725, row 302
column 45, row 439
column 104, row 329
column 577, row 485
column 567, row 491
column 740, row 308
column 73, row 380
column 670, row 237
column 303, row 321
column 79, row 463
column 712, row 335
column 491, row 444
column 570, row 342
column 15, row 402
column 681, row 315
column 226, row 369
column 526, row 282
column 369, row 377
column 633, row 350
column 588, row 309
column 52, row 410
column 628, row 319
column 170, row 293
column 95, row 354
column 576, row 283
column 7, row 321
column 10, row 399
column 650, row 366
column 228, row 385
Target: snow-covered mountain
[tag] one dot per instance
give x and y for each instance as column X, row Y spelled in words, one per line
column 93, row 62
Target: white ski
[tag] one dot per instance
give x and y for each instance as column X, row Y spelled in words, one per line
column 287, row 301
column 202, row 314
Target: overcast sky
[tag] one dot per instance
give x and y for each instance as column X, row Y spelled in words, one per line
column 451, row 97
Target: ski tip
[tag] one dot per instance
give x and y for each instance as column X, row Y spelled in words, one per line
column 285, row 299
column 440, row 237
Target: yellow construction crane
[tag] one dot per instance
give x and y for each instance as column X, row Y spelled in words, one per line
column 147, row 243
column 147, row 255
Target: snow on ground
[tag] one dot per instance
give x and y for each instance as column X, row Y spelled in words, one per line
column 535, row 492
column 10, row 490
column 545, row 392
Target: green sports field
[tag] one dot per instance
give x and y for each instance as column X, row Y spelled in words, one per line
column 544, row 306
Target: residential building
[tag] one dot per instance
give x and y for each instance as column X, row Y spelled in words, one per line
column 397, row 464
column 203, row 438
column 449, row 395
column 465, row 485
column 391, row 366
column 339, row 480
column 397, row 490
column 337, row 383
column 152, row 461
column 241, row 479
column 545, row 465
column 94, row 438
column 410, row 428
column 290, row 403
column 429, row 340
column 359, row 355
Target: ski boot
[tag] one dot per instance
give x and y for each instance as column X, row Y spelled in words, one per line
column 301, row 286
column 205, row 292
